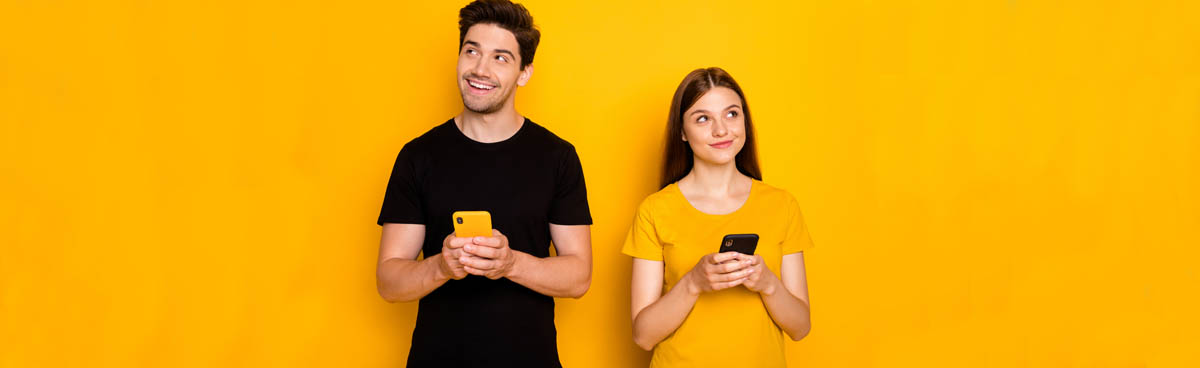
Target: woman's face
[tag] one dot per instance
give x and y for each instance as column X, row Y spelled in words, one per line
column 714, row 126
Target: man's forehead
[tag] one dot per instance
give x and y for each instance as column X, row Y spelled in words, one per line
column 491, row 36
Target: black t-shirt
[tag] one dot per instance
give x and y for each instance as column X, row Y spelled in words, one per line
column 526, row 182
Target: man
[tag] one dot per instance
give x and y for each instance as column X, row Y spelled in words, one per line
column 487, row 300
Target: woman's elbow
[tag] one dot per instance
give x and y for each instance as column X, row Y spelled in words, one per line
column 642, row 343
column 800, row 333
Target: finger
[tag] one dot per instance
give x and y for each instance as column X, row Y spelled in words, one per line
column 490, row 241
column 456, row 243
column 479, row 263
column 727, row 284
column 482, row 251
column 474, row 271
column 725, row 277
column 722, row 257
column 731, row 267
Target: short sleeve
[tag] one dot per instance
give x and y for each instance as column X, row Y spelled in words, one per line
column 402, row 200
column 797, row 238
column 642, row 241
column 570, row 204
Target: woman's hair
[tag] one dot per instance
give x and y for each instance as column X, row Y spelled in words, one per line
column 679, row 156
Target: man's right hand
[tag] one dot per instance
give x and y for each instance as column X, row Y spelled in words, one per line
column 451, row 250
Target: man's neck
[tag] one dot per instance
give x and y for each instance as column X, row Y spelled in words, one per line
column 489, row 128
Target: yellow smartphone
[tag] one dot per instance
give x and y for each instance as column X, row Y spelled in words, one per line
column 469, row 224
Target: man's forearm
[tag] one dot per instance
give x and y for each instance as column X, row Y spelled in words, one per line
column 563, row 276
column 404, row 280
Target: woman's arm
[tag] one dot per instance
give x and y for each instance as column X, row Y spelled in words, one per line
column 655, row 315
column 787, row 299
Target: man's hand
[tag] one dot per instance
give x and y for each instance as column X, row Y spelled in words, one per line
column 450, row 265
column 488, row 256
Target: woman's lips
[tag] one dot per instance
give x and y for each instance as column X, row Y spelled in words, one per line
column 722, row 144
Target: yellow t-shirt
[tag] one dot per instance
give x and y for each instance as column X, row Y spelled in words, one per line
column 731, row 327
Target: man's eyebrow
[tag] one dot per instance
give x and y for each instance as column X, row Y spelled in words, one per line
column 503, row 51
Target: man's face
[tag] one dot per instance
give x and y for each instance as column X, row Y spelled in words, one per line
column 489, row 68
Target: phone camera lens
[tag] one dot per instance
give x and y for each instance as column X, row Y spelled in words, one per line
column 459, row 220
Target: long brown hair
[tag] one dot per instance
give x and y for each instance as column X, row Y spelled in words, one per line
column 679, row 156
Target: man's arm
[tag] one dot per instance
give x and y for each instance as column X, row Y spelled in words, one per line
column 400, row 276
column 566, row 275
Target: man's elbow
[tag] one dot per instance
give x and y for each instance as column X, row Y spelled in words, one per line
column 391, row 296
column 579, row 290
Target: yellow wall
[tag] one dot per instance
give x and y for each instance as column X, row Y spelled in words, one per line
column 990, row 183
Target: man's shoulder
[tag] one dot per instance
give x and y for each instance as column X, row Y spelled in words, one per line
column 432, row 138
column 552, row 141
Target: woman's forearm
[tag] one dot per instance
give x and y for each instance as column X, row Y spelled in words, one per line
column 661, row 318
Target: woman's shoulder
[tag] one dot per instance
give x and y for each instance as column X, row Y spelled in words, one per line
column 659, row 200
column 772, row 194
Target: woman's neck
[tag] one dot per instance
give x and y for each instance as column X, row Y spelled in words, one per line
column 715, row 181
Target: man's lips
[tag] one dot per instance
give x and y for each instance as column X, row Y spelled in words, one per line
column 722, row 144
column 478, row 87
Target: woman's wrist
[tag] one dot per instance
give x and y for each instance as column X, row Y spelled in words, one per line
column 690, row 284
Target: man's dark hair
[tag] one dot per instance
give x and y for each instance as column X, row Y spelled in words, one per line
column 505, row 14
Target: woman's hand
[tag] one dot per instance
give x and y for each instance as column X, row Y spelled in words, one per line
column 760, row 280
column 718, row 271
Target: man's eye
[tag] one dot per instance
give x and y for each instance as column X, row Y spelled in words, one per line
column 502, row 58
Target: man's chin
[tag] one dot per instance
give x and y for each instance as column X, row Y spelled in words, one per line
column 481, row 108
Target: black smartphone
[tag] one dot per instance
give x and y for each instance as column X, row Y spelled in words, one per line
column 741, row 243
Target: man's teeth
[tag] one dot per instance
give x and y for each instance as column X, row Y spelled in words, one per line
column 480, row 86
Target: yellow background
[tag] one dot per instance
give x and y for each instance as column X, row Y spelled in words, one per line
column 989, row 183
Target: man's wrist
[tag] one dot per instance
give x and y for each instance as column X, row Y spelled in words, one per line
column 519, row 261
column 439, row 269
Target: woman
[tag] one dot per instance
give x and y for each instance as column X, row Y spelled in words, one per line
column 719, row 309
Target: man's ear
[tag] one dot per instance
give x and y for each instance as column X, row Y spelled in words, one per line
column 526, row 73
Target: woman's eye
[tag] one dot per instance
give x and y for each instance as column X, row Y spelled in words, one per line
column 471, row 51
column 702, row 119
column 732, row 114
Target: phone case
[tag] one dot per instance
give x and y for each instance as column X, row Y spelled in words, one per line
column 472, row 223
column 741, row 243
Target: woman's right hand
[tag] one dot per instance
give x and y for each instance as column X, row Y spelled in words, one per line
column 717, row 271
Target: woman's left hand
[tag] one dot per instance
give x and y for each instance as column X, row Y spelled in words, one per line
column 761, row 279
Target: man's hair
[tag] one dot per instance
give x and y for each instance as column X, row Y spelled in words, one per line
column 505, row 14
